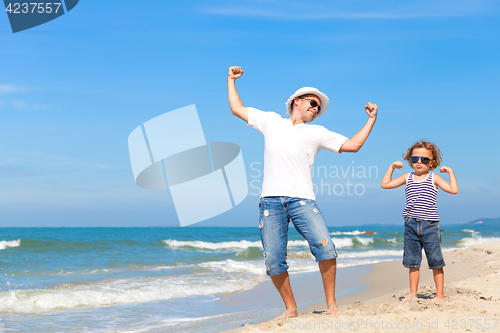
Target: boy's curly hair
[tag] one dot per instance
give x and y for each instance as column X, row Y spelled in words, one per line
column 436, row 153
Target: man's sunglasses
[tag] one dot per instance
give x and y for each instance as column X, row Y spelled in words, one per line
column 312, row 102
column 424, row 160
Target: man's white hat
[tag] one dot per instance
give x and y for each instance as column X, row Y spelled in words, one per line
column 305, row 91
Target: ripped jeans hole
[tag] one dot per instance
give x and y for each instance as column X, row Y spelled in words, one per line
column 266, row 213
column 261, row 225
column 316, row 211
column 303, row 203
column 324, row 242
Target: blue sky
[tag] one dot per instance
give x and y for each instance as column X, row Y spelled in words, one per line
column 73, row 89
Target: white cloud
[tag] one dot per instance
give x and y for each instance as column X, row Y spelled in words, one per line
column 43, row 159
column 10, row 88
column 29, row 106
column 348, row 9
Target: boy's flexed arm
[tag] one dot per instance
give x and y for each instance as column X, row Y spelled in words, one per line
column 452, row 186
column 235, row 102
column 354, row 144
column 388, row 182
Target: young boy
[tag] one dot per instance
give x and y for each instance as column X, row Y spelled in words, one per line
column 420, row 214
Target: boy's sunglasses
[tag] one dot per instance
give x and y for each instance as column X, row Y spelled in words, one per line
column 425, row 160
column 312, row 102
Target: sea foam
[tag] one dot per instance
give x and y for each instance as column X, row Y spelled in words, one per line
column 353, row 233
column 5, row 244
column 235, row 245
column 477, row 240
column 349, row 242
column 371, row 254
column 120, row 291
column 243, row 244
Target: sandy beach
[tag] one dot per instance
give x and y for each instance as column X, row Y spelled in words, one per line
column 472, row 304
column 220, row 290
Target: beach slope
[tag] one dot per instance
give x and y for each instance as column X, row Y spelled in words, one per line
column 472, row 304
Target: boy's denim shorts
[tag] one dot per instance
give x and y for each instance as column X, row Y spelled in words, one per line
column 275, row 215
column 420, row 234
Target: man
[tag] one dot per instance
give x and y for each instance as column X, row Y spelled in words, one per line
column 287, row 191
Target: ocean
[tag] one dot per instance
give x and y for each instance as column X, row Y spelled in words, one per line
column 138, row 279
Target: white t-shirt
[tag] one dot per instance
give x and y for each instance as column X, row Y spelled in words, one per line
column 289, row 153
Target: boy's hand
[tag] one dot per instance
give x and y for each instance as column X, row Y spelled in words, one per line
column 397, row 165
column 371, row 110
column 445, row 169
column 234, row 72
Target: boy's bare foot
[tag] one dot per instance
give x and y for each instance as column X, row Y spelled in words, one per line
column 333, row 309
column 408, row 298
column 438, row 299
column 289, row 313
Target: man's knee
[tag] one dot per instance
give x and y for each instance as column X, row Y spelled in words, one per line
column 325, row 251
column 274, row 265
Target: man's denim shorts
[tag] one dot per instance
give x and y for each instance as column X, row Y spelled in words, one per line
column 275, row 215
column 420, row 234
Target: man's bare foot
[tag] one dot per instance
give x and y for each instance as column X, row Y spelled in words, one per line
column 333, row 309
column 289, row 313
column 408, row 297
column 438, row 299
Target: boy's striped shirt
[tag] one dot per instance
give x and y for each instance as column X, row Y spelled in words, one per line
column 421, row 197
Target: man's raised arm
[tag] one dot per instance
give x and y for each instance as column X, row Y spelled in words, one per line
column 235, row 102
column 354, row 144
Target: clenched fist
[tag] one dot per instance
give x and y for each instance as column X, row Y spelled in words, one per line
column 446, row 169
column 234, row 72
column 397, row 165
column 371, row 110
